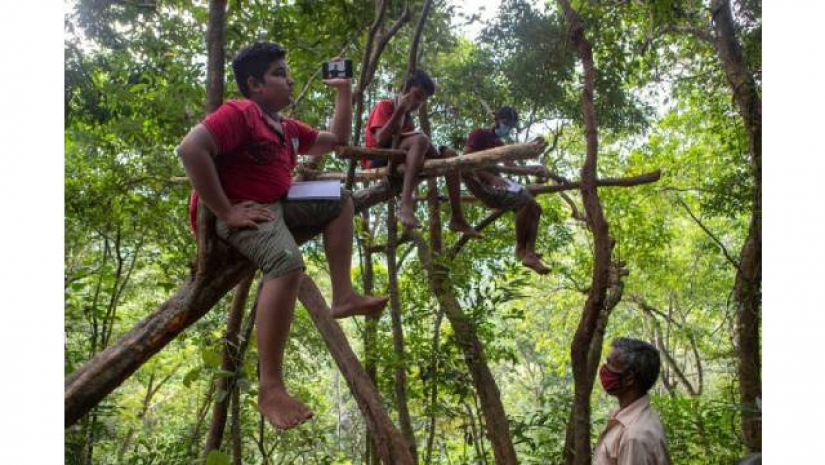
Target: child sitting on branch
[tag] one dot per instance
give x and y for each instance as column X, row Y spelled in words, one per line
column 499, row 193
column 392, row 116
column 240, row 160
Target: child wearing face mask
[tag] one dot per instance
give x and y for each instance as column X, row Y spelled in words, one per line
column 499, row 193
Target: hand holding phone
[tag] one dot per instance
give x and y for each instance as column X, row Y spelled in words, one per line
column 337, row 68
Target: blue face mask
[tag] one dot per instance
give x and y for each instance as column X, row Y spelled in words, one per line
column 502, row 130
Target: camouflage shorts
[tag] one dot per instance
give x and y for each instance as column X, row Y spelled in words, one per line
column 272, row 246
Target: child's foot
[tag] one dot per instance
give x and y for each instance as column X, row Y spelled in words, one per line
column 407, row 217
column 520, row 253
column 460, row 226
column 531, row 260
column 357, row 304
column 281, row 409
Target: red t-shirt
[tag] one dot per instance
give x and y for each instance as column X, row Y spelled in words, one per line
column 483, row 139
column 380, row 114
column 255, row 162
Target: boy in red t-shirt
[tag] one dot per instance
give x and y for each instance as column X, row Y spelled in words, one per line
column 496, row 192
column 389, row 117
column 240, row 161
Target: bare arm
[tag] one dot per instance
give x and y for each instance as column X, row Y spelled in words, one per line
column 385, row 133
column 197, row 151
column 341, row 127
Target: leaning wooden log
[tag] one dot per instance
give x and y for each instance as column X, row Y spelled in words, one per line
column 360, row 176
column 391, row 446
column 481, row 159
column 647, row 178
column 539, row 171
column 219, row 269
column 439, row 167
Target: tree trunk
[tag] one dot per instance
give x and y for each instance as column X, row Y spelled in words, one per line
column 235, row 428
column 498, row 427
column 748, row 283
column 215, row 40
column 398, row 335
column 595, row 303
column 612, row 299
column 231, row 363
column 390, row 445
column 370, row 330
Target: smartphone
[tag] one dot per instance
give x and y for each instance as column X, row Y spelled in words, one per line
column 337, row 69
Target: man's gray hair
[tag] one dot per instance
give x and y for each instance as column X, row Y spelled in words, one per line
column 641, row 358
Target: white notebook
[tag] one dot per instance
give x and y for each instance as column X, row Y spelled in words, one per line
column 314, row 190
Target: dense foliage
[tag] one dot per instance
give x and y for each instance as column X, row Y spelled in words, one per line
column 134, row 79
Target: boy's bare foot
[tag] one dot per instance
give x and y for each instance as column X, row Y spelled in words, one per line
column 407, row 217
column 357, row 304
column 520, row 253
column 531, row 260
column 461, row 227
column 281, row 409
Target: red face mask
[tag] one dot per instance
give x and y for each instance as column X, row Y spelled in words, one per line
column 610, row 379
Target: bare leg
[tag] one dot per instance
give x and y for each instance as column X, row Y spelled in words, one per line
column 338, row 247
column 276, row 307
column 416, row 148
column 527, row 221
column 522, row 225
column 457, row 221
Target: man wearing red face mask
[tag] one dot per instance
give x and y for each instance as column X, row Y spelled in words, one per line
column 634, row 433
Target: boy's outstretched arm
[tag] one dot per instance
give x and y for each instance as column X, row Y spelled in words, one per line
column 197, row 151
column 341, row 127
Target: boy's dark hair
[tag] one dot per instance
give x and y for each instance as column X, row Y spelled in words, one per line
column 253, row 60
column 507, row 114
column 422, row 80
column 641, row 358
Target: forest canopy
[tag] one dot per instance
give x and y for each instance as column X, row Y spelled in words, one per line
column 682, row 271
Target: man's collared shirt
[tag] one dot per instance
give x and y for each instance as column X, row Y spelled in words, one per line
column 633, row 436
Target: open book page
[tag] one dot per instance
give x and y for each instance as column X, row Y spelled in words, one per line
column 314, row 190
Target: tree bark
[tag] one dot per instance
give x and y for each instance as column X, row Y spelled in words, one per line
column 215, row 40
column 231, row 363
column 582, row 341
column 370, row 328
column 235, row 428
column 398, row 335
column 612, row 298
column 748, row 282
column 390, row 445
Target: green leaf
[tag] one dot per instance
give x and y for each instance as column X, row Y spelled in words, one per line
column 217, row 457
column 211, row 358
column 191, row 377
